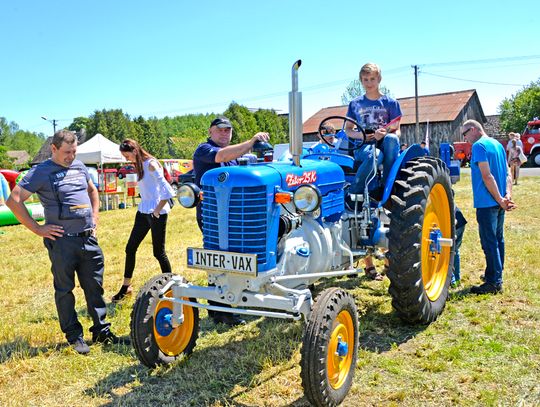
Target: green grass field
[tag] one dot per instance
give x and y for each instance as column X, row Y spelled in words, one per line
column 483, row 350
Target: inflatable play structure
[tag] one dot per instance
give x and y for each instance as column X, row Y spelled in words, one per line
column 7, row 217
column 10, row 176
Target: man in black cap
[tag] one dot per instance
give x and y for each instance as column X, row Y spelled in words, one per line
column 217, row 152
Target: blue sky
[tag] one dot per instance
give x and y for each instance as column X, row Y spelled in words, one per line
column 63, row 59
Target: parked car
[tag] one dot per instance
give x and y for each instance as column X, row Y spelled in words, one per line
column 187, row 177
column 126, row 169
column 174, row 168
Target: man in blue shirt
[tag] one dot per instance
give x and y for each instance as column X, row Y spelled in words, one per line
column 492, row 193
column 71, row 204
column 217, row 152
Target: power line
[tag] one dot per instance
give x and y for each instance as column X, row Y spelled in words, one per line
column 485, row 61
column 471, row 80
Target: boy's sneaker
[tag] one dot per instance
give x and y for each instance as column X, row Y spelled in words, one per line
column 80, row 346
column 487, row 288
column 108, row 338
column 455, row 284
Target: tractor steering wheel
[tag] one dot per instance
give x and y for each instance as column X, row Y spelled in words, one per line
column 354, row 144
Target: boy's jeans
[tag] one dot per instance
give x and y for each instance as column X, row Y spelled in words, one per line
column 389, row 150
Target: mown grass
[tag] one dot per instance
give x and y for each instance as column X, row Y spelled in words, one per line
column 483, row 350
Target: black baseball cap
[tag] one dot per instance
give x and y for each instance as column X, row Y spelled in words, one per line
column 221, row 122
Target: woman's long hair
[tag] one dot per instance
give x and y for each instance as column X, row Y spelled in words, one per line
column 141, row 155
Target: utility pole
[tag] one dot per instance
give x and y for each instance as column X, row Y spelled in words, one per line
column 53, row 121
column 417, row 128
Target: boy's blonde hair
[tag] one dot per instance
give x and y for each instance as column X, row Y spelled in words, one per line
column 370, row 68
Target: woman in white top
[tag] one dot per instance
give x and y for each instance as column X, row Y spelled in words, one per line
column 152, row 212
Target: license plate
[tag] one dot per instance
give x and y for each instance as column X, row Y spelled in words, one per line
column 230, row 262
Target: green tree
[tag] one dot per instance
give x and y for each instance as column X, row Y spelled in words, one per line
column 184, row 133
column 113, row 124
column 5, row 161
column 79, row 123
column 243, row 121
column 25, row 140
column 275, row 125
column 150, row 138
column 4, row 130
column 355, row 89
column 517, row 110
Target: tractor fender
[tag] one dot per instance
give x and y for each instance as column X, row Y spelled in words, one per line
column 412, row 152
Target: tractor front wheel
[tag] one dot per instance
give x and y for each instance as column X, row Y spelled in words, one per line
column 421, row 237
column 154, row 338
column 329, row 348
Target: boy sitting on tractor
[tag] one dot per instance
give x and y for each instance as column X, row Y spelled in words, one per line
column 379, row 115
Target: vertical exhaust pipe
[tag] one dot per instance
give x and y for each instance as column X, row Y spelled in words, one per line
column 295, row 117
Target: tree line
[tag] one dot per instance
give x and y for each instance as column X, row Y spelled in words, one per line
column 179, row 136
column 168, row 137
column 13, row 138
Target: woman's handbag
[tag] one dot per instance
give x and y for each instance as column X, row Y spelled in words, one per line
column 522, row 157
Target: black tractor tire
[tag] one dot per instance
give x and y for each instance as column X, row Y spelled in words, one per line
column 534, row 159
column 151, row 348
column 329, row 348
column 421, row 201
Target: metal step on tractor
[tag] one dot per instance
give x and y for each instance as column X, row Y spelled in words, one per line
column 273, row 229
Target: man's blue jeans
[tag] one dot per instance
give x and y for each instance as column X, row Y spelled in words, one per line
column 490, row 226
column 389, row 150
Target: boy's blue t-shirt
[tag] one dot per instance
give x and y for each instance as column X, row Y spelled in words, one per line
column 490, row 150
column 373, row 114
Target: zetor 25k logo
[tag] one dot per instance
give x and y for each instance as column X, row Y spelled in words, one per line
column 308, row 177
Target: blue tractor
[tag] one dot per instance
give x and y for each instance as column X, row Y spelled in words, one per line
column 271, row 230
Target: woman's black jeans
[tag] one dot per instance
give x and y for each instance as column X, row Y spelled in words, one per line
column 143, row 223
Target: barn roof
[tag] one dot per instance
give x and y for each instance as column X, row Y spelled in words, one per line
column 440, row 107
column 21, row 157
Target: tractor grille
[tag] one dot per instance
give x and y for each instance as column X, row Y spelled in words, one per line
column 245, row 214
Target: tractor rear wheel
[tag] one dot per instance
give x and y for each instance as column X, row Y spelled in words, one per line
column 422, row 211
column 155, row 340
column 329, row 348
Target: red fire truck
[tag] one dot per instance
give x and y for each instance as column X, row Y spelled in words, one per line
column 531, row 141
column 530, row 138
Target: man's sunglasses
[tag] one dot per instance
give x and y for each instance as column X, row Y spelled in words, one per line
column 466, row 131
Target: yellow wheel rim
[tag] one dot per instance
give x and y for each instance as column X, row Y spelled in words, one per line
column 435, row 265
column 338, row 367
column 178, row 339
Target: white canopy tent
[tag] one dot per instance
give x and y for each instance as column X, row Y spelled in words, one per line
column 99, row 150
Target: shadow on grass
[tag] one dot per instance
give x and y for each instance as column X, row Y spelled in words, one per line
column 220, row 373
column 21, row 349
column 378, row 330
column 223, row 373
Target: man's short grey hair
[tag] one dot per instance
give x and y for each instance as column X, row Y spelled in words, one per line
column 473, row 123
column 63, row 136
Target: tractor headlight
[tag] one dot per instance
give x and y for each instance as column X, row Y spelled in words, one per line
column 188, row 195
column 307, row 198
